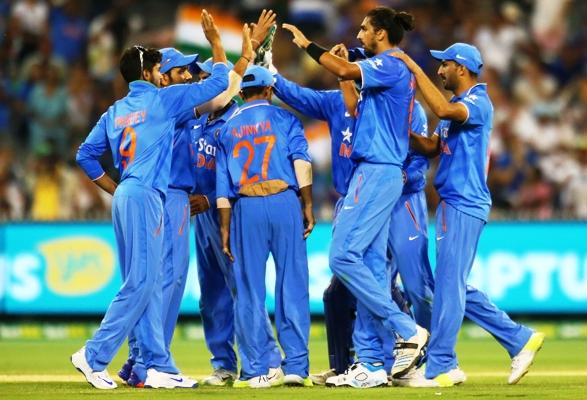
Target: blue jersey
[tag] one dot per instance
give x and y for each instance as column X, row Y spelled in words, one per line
column 384, row 110
column 326, row 105
column 203, row 143
column 416, row 165
column 258, row 144
column 461, row 178
column 182, row 176
column 139, row 129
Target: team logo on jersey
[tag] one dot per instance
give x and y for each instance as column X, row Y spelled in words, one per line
column 472, row 98
column 375, row 62
column 78, row 265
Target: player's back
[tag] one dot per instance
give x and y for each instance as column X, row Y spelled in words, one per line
column 260, row 143
column 139, row 131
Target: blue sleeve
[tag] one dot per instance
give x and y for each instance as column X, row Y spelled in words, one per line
column 297, row 143
column 222, row 176
column 476, row 107
column 380, row 71
column 304, row 100
column 178, row 99
column 185, row 116
column 92, row 148
column 418, row 164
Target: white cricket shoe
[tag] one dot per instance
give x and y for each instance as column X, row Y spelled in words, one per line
column 360, row 375
column 415, row 378
column 98, row 379
column 296, row 380
column 320, row 378
column 409, row 352
column 163, row 380
column 523, row 360
column 220, row 377
column 256, row 382
column 275, row 376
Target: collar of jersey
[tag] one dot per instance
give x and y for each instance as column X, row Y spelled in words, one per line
column 141, row 85
column 254, row 103
column 481, row 85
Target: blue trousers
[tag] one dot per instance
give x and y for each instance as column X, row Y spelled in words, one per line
column 176, row 260
column 408, row 242
column 457, row 236
column 137, row 217
column 216, row 300
column 358, row 257
column 263, row 225
column 217, row 290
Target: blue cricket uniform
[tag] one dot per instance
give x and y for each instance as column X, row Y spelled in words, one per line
column 358, row 251
column 328, row 105
column 408, row 235
column 325, row 105
column 255, row 155
column 138, row 129
column 214, row 270
column 460, row 217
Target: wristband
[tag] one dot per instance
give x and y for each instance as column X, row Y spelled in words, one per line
column 315, row 51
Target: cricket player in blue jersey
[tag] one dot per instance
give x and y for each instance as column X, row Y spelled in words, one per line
column 214, row 270
column 358, row 253
column 175, row 70
column 339, row 303
column 408, row 234
column 462, row 140
column 262, row 165
column 138, row 129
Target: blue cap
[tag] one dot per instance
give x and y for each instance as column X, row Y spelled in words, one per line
column 257, row 76
column 172, row 58
column 463, row 54
column 207, row 65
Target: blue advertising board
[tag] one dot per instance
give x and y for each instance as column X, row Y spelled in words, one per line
column 72, row 268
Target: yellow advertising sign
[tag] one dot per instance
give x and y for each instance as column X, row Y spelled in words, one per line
column 77, row 265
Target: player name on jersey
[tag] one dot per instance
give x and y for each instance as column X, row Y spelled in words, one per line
column 251, row 130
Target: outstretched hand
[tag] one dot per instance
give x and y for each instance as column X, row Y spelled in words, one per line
column 298, row 37
column 209, row 27
column 261, row 28
column 247, row 47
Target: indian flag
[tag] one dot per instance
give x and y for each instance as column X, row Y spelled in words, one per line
column 190, row 38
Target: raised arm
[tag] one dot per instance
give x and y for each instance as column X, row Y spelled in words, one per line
column 235, row 77
column 337, row 65
column 435, row 99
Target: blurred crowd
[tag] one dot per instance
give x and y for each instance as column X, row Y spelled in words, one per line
column 59, row 72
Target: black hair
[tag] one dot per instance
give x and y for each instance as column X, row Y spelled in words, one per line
column 135, row 60
column 252, row 91
column 393, row 22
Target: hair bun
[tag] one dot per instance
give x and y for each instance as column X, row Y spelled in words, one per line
column 405, row 20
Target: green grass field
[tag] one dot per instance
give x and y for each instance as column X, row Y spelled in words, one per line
column 41, row 370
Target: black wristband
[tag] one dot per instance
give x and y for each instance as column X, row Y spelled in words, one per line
column 315, row 51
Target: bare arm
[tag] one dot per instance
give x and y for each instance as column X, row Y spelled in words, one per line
column 106, row 183
column 234, row 77
column 338, row 66
column 350, row 94
column 213, row 36
column 435, row 99
column 430, row 147
column 224, row 214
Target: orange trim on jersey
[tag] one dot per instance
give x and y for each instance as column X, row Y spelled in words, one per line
column 412, row 215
